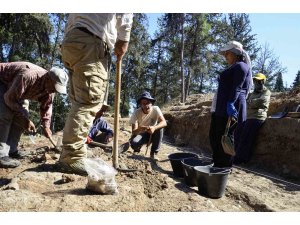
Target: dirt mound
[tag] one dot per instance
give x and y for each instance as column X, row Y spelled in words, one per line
column 276, row 149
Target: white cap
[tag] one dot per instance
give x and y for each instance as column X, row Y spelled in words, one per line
column 61, row 79
column 231, row 45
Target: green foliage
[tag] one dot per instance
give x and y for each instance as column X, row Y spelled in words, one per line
column 296, row 82
column 279, row 83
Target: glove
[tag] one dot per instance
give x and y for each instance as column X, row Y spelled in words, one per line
column 231, row 111
column 88, row 140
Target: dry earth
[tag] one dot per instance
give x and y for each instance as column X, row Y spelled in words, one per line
column 37, row 186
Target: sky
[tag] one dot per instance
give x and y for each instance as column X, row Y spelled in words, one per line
column 280, row 30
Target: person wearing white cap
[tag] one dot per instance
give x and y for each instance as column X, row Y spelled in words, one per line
column 86, row 52
column 257, row 108
column 20, row 82
column 234, row 85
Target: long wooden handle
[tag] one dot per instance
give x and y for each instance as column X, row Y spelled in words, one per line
column 116, row 114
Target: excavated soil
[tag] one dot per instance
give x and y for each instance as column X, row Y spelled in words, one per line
column 37, row 186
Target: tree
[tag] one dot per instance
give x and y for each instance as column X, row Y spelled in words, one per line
column 296, row 82
column 268, row 64
column 135, row 77
column 279, row 87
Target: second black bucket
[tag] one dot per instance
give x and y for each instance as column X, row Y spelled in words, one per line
column 175, row 159
column 188, row 169
column 211, row 181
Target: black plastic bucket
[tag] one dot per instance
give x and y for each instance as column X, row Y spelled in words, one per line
column 188, row 169
column 211, row 181
column 175, row 159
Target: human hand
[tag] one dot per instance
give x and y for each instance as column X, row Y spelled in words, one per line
column 151, row 129
column 231, row 111
column 88, row 140
column 47, row 132
column 120, row 48
column 31, row 127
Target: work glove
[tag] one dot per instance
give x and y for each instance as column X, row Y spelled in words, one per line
column 231, row 111
column 88, row 140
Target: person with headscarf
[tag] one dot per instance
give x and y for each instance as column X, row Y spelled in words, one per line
column 234, row 85
column 257, row 107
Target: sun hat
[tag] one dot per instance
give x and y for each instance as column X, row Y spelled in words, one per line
column 232, row 46
column 259, row 76
column 145, row 95
column 61, row 79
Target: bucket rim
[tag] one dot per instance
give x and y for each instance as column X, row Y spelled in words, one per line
column 188, row 155
column 226, row 170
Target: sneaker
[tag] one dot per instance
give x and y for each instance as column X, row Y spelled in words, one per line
column 75, row 167
column 7, row 162
column 154, row 157
column 18, row 155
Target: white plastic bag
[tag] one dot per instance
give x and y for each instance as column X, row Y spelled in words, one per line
column 101, row 176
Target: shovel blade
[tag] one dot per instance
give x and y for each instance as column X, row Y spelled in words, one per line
column 227, row 145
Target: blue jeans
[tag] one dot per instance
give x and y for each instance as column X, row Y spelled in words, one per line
column 139, row 140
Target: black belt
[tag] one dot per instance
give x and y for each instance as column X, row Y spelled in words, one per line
column 85, row 30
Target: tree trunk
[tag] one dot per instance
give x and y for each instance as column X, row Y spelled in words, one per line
column 182, row 66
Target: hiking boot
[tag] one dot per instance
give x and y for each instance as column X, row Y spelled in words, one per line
column 7, row 162
column 75, row 167
column 154, row 157
column 18, row 155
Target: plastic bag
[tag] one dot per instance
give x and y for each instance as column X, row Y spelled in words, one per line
column 101, row 176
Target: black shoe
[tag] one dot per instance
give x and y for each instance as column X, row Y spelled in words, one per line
column 7, row 162
column 18, row 155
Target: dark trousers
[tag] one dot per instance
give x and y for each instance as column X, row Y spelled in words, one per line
column 139, row 140
column 216, row 131
column 245, row 140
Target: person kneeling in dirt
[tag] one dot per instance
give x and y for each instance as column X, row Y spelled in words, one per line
column 20, row 81
column 100, row 125
column 147, row 125
column 258, row 104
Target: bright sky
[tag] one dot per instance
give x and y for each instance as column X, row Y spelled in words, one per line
column 280, row 30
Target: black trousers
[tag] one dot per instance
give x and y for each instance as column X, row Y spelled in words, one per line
column 246, row 139
column 139, row 140
column 216, row 131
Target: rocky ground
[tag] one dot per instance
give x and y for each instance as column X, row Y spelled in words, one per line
column 37, row 185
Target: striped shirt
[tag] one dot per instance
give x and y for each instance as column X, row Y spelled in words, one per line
column 25, row 80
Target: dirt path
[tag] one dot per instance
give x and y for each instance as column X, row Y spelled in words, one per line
column 152, row 189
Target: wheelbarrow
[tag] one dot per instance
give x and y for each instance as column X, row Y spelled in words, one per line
column 226, row 141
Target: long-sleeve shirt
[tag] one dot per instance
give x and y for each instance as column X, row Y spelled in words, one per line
column 107, row 26
column 25, row 80
column 100, row 125
column 258, row 104
column 233, row 81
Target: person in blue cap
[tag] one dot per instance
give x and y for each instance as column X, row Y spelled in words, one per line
column 147, row 125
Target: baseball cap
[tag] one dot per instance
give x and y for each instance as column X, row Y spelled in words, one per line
column 61, row 79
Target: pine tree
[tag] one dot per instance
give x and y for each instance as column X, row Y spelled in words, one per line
column 297, row 80
column 279, row 87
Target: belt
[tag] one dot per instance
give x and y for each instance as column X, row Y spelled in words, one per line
column 85, row 30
